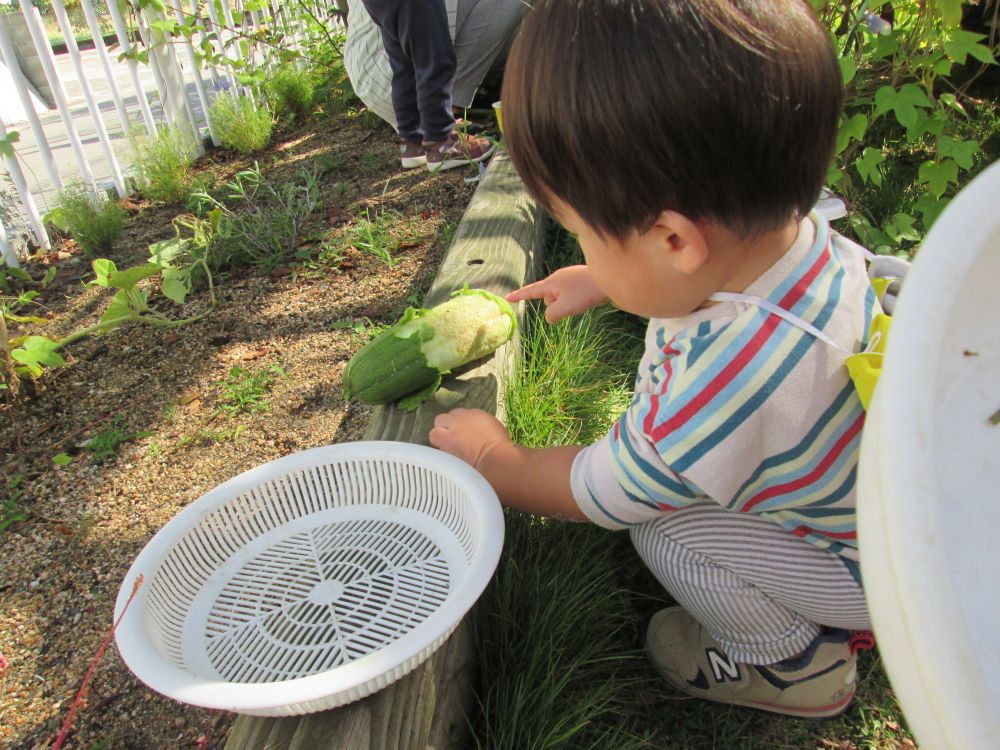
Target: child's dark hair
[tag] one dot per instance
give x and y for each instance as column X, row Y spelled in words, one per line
column 722, row 110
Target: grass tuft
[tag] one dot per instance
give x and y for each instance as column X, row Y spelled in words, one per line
column 90, row 217
column 163, row 164
column 239, row 124
column 293, row 93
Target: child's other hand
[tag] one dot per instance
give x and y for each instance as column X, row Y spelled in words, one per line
column 468, row 434
column 567, row 291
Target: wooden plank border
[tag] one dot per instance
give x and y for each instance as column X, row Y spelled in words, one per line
column 497, row 246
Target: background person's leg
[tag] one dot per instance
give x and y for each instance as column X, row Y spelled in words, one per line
column 388, row 15
column 426, row 41
column 761, row 592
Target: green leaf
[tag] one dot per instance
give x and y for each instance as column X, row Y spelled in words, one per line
column 20, row 273
column 930, row 207
column 963, row 152
column 7, row 143
column 120, row 309
column 848, row 69
column 62, row 459
column 128, row 278
column 966, row 43
column 902, row 227
column 903, row 102
column 852, row 129
column 933, row 123
column 950, row 10
column 937, row 175
column 174, row 287
column 38, row 351
column 886, row 45
column 57, row 218
column 868, row 165
column 874, row 239
column 103, row 268
column 162, row 253
column 951, row 101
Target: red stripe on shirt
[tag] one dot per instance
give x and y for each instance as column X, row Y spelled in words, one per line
column 736, row 365
column 812, row 476
column 804, row 531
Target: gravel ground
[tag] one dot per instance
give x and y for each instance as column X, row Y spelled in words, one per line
column 60, row 570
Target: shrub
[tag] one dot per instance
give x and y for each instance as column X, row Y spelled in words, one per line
column 163, row 164
column 239, row 124
column 292, row 92
column 90, row 217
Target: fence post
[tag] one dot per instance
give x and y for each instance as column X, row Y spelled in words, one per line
column 223, row 35
column 227, row 13
column 88, row 95
column 41, row 41
column 21, row 84
column 27, row 199
column 133, row 66
column 169, row 79
column 102, row 54
column 203, row 36
column 199, row 85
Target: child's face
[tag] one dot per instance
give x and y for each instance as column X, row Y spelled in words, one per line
column 644, row 274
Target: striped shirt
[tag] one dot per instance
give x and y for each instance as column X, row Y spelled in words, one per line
column 742, row 407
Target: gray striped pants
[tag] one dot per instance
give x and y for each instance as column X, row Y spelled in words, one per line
column 761, row 592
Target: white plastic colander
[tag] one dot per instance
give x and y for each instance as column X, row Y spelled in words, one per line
column 311, row 581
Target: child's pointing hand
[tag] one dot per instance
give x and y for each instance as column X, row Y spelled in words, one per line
column 568, row 291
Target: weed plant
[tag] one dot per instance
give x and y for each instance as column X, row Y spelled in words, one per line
column 163, row 164
column 380, row 234
column 89, row 217
column 245, row 391
column 240, row 124
column 293, row 93
column 11, row 509
column 256, row 223
column 105, row 444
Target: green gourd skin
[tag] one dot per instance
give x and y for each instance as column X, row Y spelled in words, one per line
column 406, row 361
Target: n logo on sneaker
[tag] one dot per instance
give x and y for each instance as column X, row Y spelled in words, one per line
column 723, row 667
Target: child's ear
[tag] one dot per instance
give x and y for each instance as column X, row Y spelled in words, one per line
column 684, row 240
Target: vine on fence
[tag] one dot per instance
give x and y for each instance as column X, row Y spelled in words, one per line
column 907, row 129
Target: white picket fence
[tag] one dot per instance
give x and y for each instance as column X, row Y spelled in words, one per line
column 174, row 68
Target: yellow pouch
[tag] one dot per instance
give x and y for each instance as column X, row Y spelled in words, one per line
column 865, row 367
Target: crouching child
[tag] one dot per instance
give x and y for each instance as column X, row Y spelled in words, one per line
column 685, row 143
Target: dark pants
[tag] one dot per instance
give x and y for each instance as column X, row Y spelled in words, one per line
column 422, row 57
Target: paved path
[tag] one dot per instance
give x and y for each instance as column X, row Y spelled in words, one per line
column 58, row 139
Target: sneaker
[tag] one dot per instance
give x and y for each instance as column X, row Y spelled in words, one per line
column 818, row 684
column 411, row 153
column 459, row 150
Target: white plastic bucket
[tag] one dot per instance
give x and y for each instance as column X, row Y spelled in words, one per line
column 929, row 482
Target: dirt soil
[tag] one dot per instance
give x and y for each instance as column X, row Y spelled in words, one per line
column 60, row 570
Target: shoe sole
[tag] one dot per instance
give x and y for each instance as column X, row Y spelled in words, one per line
column 413, row 162
column 452, row 163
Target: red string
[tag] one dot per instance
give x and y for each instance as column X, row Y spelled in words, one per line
column 90, row 672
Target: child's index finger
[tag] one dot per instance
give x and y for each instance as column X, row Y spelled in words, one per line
column 535, row 290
